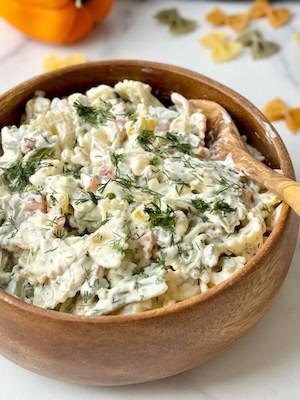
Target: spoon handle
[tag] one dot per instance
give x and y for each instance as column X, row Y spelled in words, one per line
column 287, row 189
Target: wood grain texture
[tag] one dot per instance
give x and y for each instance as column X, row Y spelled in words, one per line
column 116, row 350
column 228, row 142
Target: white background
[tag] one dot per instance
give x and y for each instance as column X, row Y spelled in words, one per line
column 266, row 363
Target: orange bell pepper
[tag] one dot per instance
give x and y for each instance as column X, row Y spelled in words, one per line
column 55, row 21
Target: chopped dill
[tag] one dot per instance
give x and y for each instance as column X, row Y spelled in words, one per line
column 137, row 285
column 95, row 116
column 81, row 201
column 200, row 205
column 105, row 221
column 53, row 199
column 18, row 175
column 228, row 185
column 149, row 191
column 155, row 160
column 129, row 112
column 51, row 250
column 118, row 247
column 73, row 170
column 166, row 219
column 125, row 181
column 102, row 186
column 145, row 139
column 221, row 205
column 129, row 198
column 116, row 158
column 12, row 222
column 59, row 233
column 265, row 208
column 176, row 143
column 94, row 198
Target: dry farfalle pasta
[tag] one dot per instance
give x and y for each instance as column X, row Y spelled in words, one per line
column 217, row 17
column 279, row 16
column 237, row 22
column 277, row 109
column 260, row 48
column 259, row 9
column 53, row 61
column 177, row 24
column 222, row 49
column 297, row 38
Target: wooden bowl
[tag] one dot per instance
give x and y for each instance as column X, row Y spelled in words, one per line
column 117, row 350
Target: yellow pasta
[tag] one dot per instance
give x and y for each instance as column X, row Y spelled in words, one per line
column 213, row 39
column 297, row 38
column 53, row 61
column 225, row 51
column 222, row 48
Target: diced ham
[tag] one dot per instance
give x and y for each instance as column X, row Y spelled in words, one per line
column 247, row 197
column 106, row 171
column 164, row 126
column 27, row 145
column 100, row 271
column 35, row 202
column 63, row 105
column 202, row 152
column 148, row 242
column 92, row 184
column 60, row 222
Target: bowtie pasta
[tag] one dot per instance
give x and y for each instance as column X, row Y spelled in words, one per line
column 112, row 204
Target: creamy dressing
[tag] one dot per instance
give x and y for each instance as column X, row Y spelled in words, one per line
column 111, row 204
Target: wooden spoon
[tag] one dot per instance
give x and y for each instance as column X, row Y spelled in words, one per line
column 227, row 141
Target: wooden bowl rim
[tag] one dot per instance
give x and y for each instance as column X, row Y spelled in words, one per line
column 285, row 165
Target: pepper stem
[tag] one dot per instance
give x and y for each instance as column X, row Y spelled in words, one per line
column 80, row 3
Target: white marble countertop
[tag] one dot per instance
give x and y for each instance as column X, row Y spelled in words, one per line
column 266, row 363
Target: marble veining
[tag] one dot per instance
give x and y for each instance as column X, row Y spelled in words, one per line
column 266, row 363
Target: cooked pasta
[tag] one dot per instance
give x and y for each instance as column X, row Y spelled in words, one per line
column 112, row 204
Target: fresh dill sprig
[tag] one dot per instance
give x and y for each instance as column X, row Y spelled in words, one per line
column 200, row 205
column 94, row 198
column 265, row 208
column 115, row 159
column 174, row 142
column 102, row 186
column 81, row 201
column 73, row 170
column 221, row 205
column 228, row 185
column 157, row 217
column 149, row 191
column 125, row 181
column 145, row 138
column 95, row 116
column 129, row 198
column 53, row 199
column 18, row 175
column 60, row 233
column 129, row 112
column 51, row 250
column 117, row 246
column 12, row 222
column 105, row 221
